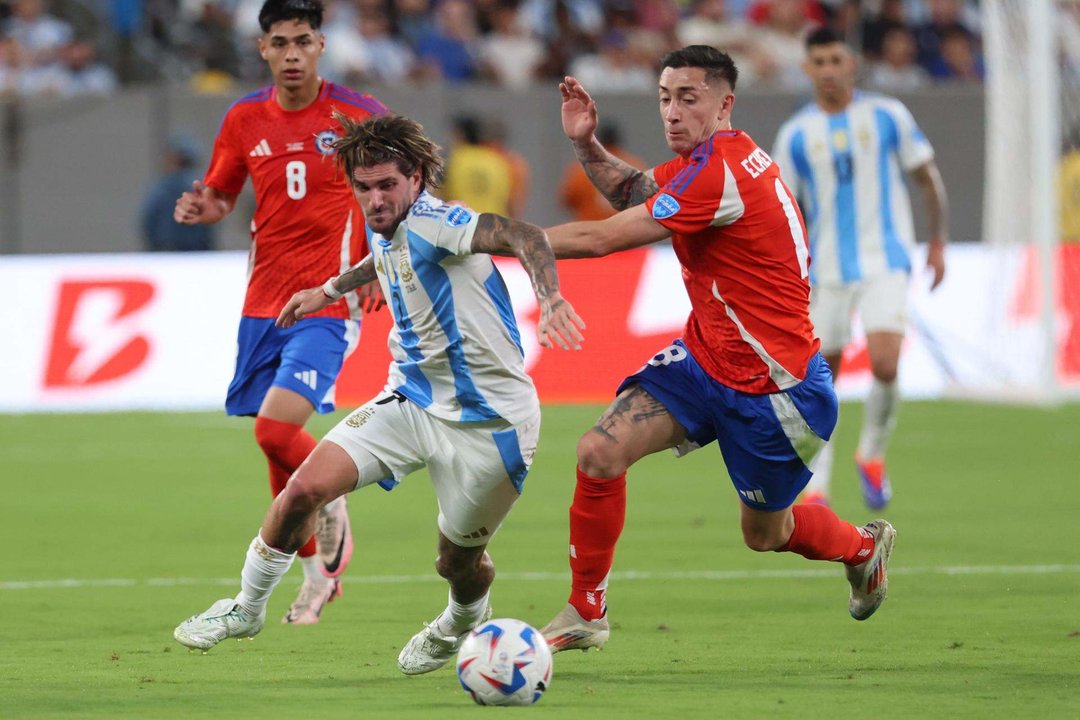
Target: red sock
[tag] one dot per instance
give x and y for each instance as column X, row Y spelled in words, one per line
column 820, row 535
column 286, row 446
column 596, row 521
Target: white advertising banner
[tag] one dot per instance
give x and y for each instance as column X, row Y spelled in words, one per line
column 158, row 331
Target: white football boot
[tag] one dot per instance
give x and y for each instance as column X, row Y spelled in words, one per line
column 569, row 631
column 429, row 650
column 870, row 580
column 223, row 620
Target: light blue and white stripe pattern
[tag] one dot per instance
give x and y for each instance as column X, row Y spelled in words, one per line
column 847, row 172
column 455, row 343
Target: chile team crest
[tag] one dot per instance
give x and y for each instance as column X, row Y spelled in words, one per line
column 324, row 142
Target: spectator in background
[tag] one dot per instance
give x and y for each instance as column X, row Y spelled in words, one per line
column 614, row 67
column 414, row 20
column 578, row 195
column 520, row 175
column 550, row 19
column 365, row 50
column 711, row 23
column 449, row 51
column 41, row 35
column 11, row 61
column 159, row 231
column 84, row 74
column 890, row 16
column 896, row 70
column 476, row 174
column 959, row 60
column 1069, row 188
column 511, row 56
column 570, row 41
column 945, row 19
column 781, row 32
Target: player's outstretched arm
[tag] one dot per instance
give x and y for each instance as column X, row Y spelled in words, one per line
column 928, row 178
column 621, row 183
column 628, row 229
column 314, row 299
column 203, row 205
column 498, row 235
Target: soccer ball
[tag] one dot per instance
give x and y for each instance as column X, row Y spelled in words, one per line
column 504, row 662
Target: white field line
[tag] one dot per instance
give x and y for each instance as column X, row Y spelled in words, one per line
column 712, row 575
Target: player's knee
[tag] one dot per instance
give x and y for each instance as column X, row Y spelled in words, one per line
column 305, row 493
column 884, row 371
column 599, row 457
column 761, row 539
column 273, row 437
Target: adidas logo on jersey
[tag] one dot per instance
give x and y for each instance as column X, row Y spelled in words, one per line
column 308, row 377
column 261, row 150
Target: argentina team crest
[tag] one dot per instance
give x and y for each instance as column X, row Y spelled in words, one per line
column 665, row 206
column 324, row 142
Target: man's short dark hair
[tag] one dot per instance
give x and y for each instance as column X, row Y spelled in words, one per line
column 275, row 11
column 823, row 36
column 717, row 65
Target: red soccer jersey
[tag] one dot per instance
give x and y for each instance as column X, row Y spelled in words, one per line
column 307, row 225
column 742, row 243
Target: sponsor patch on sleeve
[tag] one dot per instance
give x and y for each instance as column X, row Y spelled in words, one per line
column 665, row 206
column 458, row 216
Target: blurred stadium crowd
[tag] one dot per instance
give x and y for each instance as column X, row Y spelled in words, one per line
column 73, row 47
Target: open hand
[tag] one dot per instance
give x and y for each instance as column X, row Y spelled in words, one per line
column 559, row 324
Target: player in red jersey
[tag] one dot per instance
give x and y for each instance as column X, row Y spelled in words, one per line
column 307, row 226
column 746, row 373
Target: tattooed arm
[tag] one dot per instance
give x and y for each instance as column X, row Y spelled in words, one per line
column 498, row 235
column 314, row 299
column 622, row 184
column 359, row 274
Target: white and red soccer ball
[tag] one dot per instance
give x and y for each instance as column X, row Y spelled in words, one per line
column 504, row 662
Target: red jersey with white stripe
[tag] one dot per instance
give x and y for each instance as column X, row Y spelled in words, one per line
column 307, row 225
column 742, row 243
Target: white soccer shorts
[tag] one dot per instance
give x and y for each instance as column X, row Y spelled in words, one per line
column 881, row 303
column 477, row 468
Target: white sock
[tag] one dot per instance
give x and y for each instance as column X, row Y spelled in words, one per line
column 879, row 419
column 821, row 467
column 458, row 618
column 263, row 568
column 313, row 568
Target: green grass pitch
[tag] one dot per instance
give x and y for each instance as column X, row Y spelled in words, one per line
column 148, row 517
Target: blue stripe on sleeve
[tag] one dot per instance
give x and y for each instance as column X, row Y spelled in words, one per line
column 888, row 144
column 846, row 227
column 510, row 451
column 436, row 283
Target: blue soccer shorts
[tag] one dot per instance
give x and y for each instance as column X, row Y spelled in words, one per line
column 305, row 358
column 767, row 441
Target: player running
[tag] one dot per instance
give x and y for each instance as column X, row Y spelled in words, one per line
column 746, row 373
column 457, row 401
column 842, row 155
column 306, row 226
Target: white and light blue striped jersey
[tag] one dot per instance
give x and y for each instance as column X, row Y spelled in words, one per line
column 846, row 171
column 455, row 343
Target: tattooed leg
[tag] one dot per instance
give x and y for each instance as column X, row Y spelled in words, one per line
column 635, row 425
